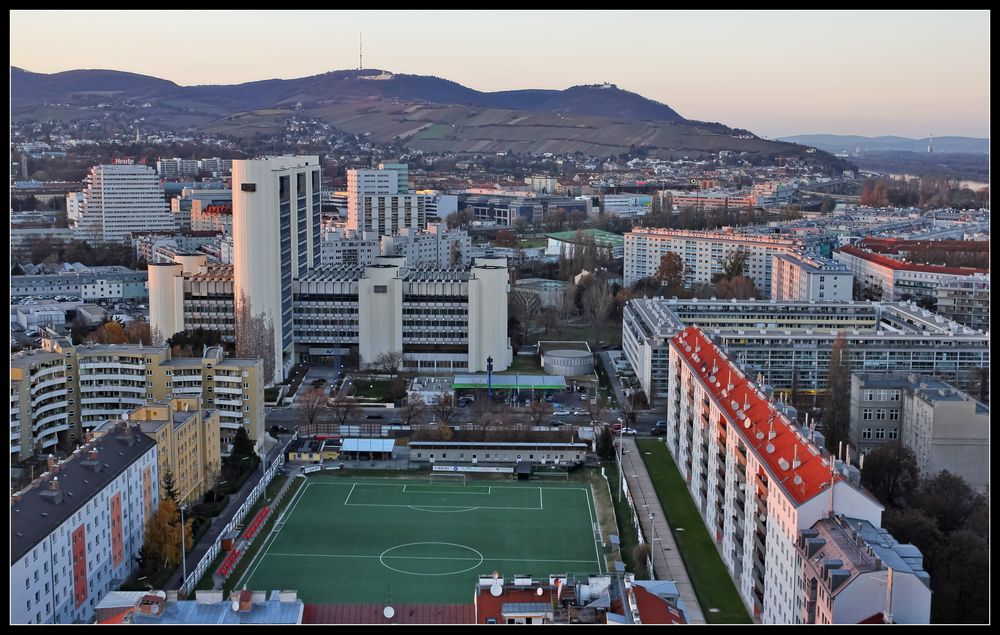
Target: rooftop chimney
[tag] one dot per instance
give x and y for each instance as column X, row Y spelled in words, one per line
column 92, row 455
column 52, row 463
column 54, row 484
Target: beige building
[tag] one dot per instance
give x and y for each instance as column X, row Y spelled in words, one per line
column 64, row 390
column 187, row 442
column 796, row 277
column 191, row 293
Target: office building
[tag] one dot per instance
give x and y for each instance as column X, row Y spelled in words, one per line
column 77, row 529
column 945, row 427
column 703, row 253
column 184, row 207
column 779, row 339
column 187, row 443
column 349, row 247
column 276, row 238
column 191, row 293
column 118, row 200
column 91, row 284
column 177, row 168
column 757, row 480
column 376, row 203
column 900, row 279
column 801, row 278
column 437, row 247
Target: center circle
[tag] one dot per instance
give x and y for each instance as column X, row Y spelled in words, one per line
column 433, row 557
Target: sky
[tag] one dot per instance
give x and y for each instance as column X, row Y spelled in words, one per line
column 873, row 73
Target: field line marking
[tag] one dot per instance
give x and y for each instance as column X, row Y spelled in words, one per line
column 594, row 519
column 541, row 505
column 499, row 558
column 350, row 492
column 334, row 482
column 526, row 509
column 271, row 537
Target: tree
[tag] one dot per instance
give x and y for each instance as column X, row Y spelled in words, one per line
column 193, row 343
column 110, row 333
column 890, row 473
column 387, row 363
column 596, row 407
column 734, row 263
column 640, row 556
column 255, row 336
column 454, row 254
column 506, row 238
column 837, row 404
column 549, row 318
column 670, row 273
column 163, row 534
column 960, row 579
column 138, row 331
column 576, row 219
column 311, row 405
column 344, row 407
column 596, row 304
column 414, row 409
column 739, row 287
column 828, row 204
column 538, row 410
column 911, row 525
column 606, row 444
column 525, row 306
column 948, row 499
column 461, row 218
column 168, row 484
column 397, row 389
column 555, row 220
column 242, row 445
column 444, row 410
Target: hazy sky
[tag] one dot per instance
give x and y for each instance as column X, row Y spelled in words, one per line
column 782, row 73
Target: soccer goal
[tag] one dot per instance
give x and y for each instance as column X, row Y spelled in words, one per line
column 446, row 478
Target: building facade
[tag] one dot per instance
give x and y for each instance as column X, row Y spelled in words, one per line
column 77, row 529
column 118, row 200
column 276, row 237
column 801, row 278
column 436, row 247
column 90, row 284
column 966, row 301
column 190, row 293
column 702, row 253
column 380, row 201
column 782, row 339
column 757, row 480
column 900, row 279
column 347, row 247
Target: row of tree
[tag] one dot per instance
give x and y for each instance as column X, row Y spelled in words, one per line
column 928, row 192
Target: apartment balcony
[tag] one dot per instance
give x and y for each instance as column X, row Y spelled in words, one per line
column 112, row 378
column 48, row 383
column 231, row 425
column 186, row 378
column 186, row 390
column 235, row 379
column 225, row 390
column 45, row 421
column 229, row 402
column 58, row 405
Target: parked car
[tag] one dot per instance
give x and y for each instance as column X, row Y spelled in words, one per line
column 630, row 432
column 580, row 413
column 562, row 413
column 394, row 422
column 374, row 417
column 555, row 423
column 657, row 432
column 615, row 427
column 661, row 425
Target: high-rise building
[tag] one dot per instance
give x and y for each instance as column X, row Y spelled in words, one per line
column 376, row 203
column 76, row 530
column 120, row 199
column 966, row 300
column 276, row 238
column 802, row 278
column 761, row 484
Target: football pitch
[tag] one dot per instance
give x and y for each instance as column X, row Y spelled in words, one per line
column 364, row 541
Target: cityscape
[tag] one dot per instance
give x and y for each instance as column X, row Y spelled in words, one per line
column 323, row 332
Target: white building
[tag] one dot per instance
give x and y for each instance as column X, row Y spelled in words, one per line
column 276, row 237
column 120, row 199
column 74, row 206
column 756, row 479
column 802, row 278
column 966, row 300
column 899, row 277
column 349, row 247
column 702, row 253
column 436, row 247
column 376, row 203
column 626, row 205
column 75, row 532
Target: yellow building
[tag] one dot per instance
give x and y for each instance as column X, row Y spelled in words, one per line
column 187, row 441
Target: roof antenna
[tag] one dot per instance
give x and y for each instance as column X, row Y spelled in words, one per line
column 361, row 50
column 729, row 382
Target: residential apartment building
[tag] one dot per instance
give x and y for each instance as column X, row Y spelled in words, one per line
column 276, row 237
column 61, row 392
column 177, row 168
column 945, row 427
column 802, row 278
column 966, row 301
column 166, row 247
column 757, row 480
column 779, row 339
column 187, row 442
column 504, row 207
column 118, row 200
column 855, row 572
column 91, row 284
column 77, row 529
column 191, row 293
column 436, row 247
column 376, row 202
column 702, row 253
column 899, row 278
column 184, row 207
column 348, row 247
column 713, row 199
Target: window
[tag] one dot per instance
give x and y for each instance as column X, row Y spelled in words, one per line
column 879, row 433
column 880, row 414
column 866, row 433
column 893, row 433
column 869, row 395
column 866, row 414
column 893, row 414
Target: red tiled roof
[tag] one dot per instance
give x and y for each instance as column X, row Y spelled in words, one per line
column 119, row 618
column 899, row 265
column 878, row 618
column 654, row 609
column 488, row 606
column 759, row 418
column 405, row 614
column 896, row 245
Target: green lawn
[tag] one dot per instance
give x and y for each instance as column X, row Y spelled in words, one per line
column 373, row 389
column 710, row 578
column 529, row 243
column 611, row 333
column 523, row 364
column 353, row 539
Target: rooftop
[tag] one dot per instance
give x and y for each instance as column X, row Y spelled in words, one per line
column 600, row 237
column 403, row 614
column 902, row 265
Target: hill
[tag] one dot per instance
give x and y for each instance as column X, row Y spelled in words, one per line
column 851, row 143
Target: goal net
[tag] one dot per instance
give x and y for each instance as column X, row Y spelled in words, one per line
column 447, row 478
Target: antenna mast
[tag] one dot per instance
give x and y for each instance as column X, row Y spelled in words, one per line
column 361, row 51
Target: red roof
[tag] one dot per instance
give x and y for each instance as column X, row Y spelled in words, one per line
column 654, row 609
column 878, row 618
column 897, row 245
column 488, row 606
column 120, row 617
column 758, row 419
column 899, row 265
column 405, row 614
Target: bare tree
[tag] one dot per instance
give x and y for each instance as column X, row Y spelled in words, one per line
column 397, row 389
column 445, row 410
column 596, row 407
column 255, row 336
column 538, row 410
column 597, row 302
column 525, row 307
column 311, row 404
column 387, row 363
column 414, row 410
column 343, row 408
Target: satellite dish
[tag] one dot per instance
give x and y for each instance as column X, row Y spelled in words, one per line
column 539, row 592
column 235, row 605
column 388, row 612
column 496, row 590
column 124, row 416
column 154, row 609
column 161, row 594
